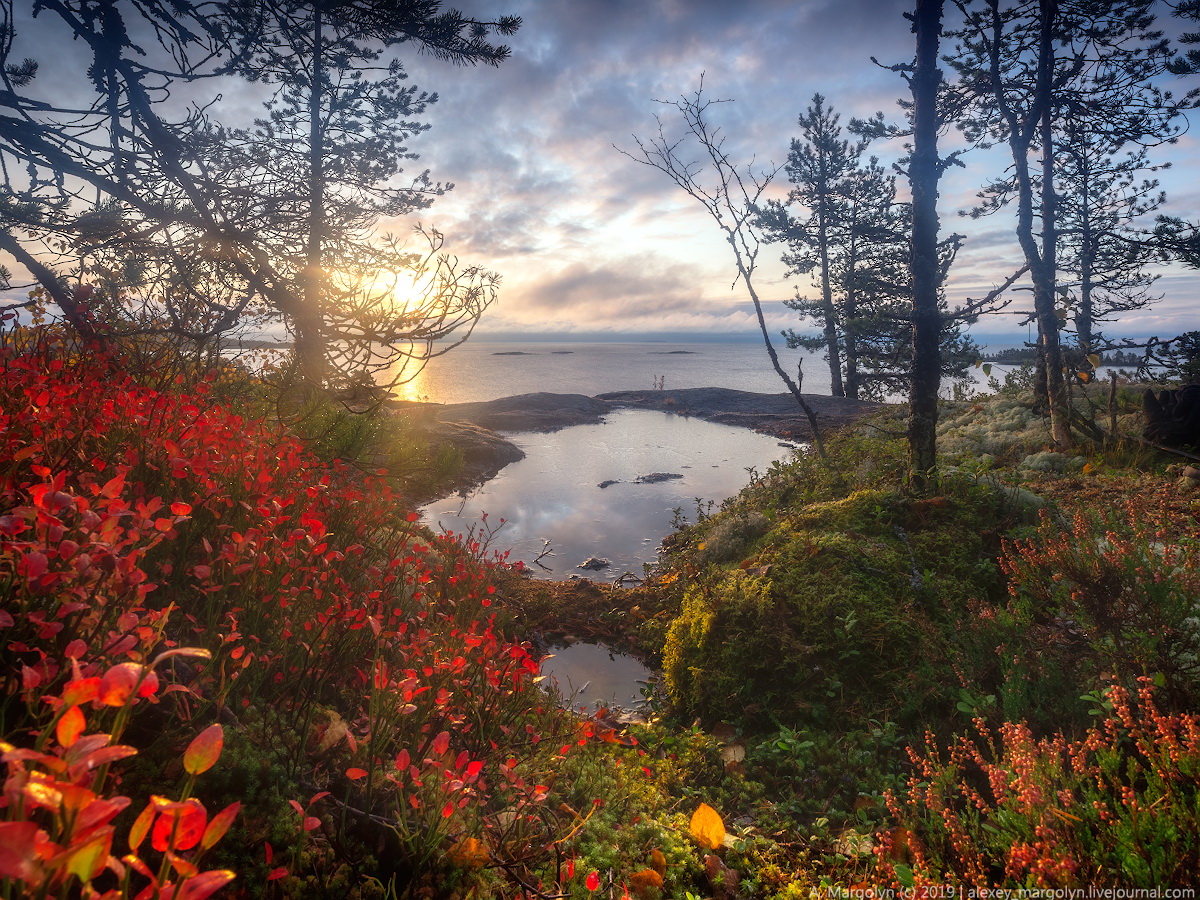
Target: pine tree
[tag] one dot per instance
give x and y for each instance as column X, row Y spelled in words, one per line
column 1023, row 66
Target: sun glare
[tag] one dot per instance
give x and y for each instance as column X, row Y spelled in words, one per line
column 415, row 388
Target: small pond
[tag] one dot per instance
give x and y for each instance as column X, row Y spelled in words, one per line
column 591, row 676
column 554, row 494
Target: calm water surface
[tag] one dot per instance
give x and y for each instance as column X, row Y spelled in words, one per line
column 554, row 495
column 490, row 370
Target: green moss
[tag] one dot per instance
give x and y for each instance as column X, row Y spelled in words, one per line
column 844, row 610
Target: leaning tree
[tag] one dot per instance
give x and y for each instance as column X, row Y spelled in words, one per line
column 127, row 204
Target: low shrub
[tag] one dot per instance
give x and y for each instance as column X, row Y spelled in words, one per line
column 1119, row 807
column 362, row 652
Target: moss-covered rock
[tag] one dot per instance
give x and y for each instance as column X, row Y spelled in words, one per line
column 843, row 609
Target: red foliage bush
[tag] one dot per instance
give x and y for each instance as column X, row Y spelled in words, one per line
column 135, row 520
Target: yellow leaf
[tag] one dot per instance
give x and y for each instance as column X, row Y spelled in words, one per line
column 707, row 827
column 469, row 853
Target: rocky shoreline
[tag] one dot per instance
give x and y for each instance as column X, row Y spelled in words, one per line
column 475, row 428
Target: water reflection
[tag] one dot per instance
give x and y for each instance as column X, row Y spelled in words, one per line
column 592, row 676
column 554, row 495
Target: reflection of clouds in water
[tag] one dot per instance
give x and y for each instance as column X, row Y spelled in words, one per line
column 553, row 493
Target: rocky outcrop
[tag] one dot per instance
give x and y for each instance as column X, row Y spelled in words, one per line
column 529, row 412
column 775, row 414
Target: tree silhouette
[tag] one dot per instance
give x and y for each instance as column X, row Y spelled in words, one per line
column 186, row 226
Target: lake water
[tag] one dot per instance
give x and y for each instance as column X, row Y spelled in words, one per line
column 554, row 494
column 490, row 370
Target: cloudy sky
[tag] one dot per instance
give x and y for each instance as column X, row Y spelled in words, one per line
column 588, row 241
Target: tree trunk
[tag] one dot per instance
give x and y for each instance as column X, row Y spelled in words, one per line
column 1044, row 275
column 829, row 312
column 924, row 174
column 309, row 340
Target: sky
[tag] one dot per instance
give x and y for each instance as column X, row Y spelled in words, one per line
column 591, row 243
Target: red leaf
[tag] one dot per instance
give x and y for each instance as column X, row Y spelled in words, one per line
column 17, row 855
column 593, row 880
column 354, row 774
column 441, row 743
column 276, row 874
column 203, row 753
column 119, row 682
column 180, row 508
column 191, row 816
column 113, row 487
column 33, row 564
column 311, row 822
column 448, row 809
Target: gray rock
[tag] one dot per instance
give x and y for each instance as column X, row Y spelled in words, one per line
column 594, row 563
column 656, row 477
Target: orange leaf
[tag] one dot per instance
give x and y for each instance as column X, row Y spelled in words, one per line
column 707, row 828
column 469, row 853
column 219, row 825
column 204, row 885
column 203, row 753
column 141, row 827
column 87, row 861
column 354, row 774
column 70, row 726
column 81, row 690
column 658, row 862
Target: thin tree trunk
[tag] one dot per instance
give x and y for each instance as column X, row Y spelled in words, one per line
column 827, row 308
column 58, row 290
column 924, row 174
column 792, row 386
column 309, row 346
